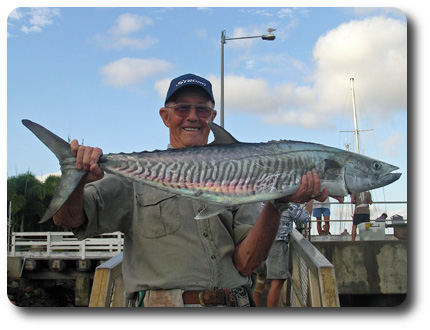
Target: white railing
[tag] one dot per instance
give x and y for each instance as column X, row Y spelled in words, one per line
column 64, row 245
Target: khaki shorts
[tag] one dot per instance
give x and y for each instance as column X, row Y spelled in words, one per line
column 277, row 261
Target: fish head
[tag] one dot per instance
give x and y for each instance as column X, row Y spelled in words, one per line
column 364, row 173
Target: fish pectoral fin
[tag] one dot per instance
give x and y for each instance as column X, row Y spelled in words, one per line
column 331, row 164
column 209, row 211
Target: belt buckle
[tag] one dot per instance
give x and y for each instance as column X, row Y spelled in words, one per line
column 201, row 300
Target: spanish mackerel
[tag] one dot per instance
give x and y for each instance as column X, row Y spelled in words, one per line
column 226, row 172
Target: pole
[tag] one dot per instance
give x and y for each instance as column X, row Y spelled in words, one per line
column 9, row 228
column 222, row 79
column 270, row 37
column 355, row 116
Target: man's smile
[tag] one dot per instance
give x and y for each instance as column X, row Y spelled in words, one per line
column 192, row 129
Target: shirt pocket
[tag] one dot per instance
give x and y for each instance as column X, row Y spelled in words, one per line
column 157, row 213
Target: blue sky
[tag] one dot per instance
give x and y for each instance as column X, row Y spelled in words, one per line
column 100, row 75
column 54, row 78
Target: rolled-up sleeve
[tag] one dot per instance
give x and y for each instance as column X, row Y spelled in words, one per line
column 108, row 205
column 244, row 219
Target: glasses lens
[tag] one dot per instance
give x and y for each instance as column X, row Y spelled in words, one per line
column 183, row 110
column 203, row 111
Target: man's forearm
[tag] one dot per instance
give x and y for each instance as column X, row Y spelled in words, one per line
column 71, row 214
column 255, row 247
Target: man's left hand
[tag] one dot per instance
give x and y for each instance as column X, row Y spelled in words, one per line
column 310, row 189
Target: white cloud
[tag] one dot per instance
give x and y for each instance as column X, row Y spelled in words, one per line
column 373, row 51
column 29, row 29
column 285, row 12
column 243, row 94
column 120, row 34
column 15, row 14
column 43, row 177
column 33, row 20
column 161, row 87
column 129, row 23
column 129, row 71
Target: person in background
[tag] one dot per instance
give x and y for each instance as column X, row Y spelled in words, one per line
column 319, row 210
column 382, row 217
column 362, row 211
column 276, row 266
column 344, row 233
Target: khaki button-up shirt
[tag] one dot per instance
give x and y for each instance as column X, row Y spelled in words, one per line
column 164, row 246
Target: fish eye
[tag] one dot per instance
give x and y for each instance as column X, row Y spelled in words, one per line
column 376, row 166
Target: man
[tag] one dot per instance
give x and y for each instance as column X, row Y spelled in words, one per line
column 170, row 259
column 362, row 211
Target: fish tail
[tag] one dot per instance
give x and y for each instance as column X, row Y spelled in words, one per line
column 70, row 176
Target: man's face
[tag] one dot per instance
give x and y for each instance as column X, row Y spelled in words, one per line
column 190, row 130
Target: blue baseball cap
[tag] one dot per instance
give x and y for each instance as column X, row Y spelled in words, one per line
column 187, row 80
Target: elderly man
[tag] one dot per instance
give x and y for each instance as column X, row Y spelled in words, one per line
column 170, row 259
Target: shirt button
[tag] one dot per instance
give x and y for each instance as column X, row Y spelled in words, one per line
column 201, row 207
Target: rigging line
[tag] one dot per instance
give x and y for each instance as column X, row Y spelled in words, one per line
column 346, row 113
column 377, row 155
column 364, row 144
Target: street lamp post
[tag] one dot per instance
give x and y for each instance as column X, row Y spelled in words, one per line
column 269, row 37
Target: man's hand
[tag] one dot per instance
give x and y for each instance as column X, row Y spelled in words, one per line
column 87, row 159
column 310, row 189
column 71, row 214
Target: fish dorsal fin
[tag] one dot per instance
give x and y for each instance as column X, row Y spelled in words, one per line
column 221, row 135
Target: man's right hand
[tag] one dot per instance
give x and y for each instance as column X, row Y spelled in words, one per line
column 72, row 214
column 87, row 159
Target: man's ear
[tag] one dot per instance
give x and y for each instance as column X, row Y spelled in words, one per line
column 164, row 114
column 214, row 113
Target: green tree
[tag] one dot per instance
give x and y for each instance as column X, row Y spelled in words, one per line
column 49, row 186
column 30, row 199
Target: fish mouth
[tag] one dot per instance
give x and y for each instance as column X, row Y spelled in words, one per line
column 386, row 179
column 389, row 178
column 354, row 184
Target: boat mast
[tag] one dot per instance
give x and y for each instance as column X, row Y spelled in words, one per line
column 355, row 116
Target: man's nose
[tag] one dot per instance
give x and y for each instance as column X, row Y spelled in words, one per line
column 193, row 114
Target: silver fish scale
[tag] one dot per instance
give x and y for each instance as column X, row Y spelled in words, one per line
column 215, row 173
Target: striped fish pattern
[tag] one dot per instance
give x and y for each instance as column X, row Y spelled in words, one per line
column 227, row 172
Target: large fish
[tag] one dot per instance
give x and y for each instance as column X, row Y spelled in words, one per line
column 226, row 172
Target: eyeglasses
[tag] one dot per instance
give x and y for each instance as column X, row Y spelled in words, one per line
column 183, row 110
